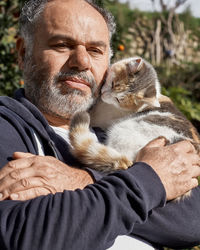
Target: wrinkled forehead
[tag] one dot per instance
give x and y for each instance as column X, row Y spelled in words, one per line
column 77, row 16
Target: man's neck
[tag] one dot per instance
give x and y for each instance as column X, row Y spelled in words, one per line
column 57, row 121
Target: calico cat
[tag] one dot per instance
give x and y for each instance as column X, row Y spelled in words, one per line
column 133, row 112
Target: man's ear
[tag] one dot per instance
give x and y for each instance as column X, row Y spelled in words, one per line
column 20, row 46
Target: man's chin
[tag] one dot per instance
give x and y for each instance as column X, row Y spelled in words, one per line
column 69, row 108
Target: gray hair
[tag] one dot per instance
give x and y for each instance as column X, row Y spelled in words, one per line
column 32, row 10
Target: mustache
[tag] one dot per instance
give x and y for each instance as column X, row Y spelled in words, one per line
column 82, row 76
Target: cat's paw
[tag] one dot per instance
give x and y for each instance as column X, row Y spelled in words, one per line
column 122, row 163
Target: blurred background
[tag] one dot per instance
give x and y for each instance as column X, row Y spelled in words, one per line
column 165, row 32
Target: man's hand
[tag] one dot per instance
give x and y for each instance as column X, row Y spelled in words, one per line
column 30, row 176
column 177, row 165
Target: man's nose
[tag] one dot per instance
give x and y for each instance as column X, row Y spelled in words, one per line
column 79, row 59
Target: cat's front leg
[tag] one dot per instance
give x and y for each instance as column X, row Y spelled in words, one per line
column 86, row 147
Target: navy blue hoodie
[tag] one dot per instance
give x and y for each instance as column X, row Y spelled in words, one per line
column 123, row 203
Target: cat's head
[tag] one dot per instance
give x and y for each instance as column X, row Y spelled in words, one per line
column 131, row 84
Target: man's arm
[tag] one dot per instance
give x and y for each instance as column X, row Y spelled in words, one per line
column 90, row 218
column 177, row 166
column 101, row 211
column 174, row 226
column 106, row 209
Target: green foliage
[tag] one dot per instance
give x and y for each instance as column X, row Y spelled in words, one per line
column 123, row 17
column 181, row 83
column 184, row 100
column 191, row 23
column 9, row 72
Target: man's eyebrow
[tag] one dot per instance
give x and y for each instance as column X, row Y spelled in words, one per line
column 61, row 37
column 72, row 40
column 98, row 44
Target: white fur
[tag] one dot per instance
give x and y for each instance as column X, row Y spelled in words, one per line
column 130, row 135
column 127, row 132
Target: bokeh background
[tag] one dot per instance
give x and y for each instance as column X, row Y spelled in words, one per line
column 165, row 32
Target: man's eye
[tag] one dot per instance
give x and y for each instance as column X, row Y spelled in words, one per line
column 62, row 46
column 95, row 51
column 59, row 45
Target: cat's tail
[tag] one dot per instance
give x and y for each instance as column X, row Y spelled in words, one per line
column 88, row 150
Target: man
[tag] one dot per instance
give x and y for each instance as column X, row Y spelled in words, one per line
column 64, row 54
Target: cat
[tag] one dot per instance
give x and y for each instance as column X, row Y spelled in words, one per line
column 133, row 112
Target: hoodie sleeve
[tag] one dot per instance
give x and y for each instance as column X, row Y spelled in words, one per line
column 83, row 219
column 176, row 225
column 126, row 202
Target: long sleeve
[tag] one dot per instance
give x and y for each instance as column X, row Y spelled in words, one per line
column 84, row 219
column 176, row 225
column 123, row 203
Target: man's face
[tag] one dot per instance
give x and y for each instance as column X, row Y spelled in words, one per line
column 69, row 59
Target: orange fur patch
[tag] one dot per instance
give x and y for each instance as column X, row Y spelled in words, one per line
column 195, row 135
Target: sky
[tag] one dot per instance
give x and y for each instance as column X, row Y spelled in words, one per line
column 147, row 5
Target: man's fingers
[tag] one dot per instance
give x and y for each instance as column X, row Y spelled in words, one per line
column 194, row 183
column 15, row 164
column 19, row 155
column 29, row 193
column 158, row 142
column 195, row 171
column 184, row 146
column 19, row 174
column 192, row 158
column 25, row 185
column 20, row 163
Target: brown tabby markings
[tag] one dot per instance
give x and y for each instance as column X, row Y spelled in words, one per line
column 150, row 92
column 195, row 135
column 176, row 121
column 85, row 145
column 131, row 101
column 133, row 90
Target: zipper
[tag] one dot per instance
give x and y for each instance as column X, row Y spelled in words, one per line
column 52, row 146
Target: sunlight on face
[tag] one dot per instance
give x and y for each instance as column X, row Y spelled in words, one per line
column 69, row 59
column 53, row 98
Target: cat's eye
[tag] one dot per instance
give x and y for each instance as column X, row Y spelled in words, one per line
column 113, row 85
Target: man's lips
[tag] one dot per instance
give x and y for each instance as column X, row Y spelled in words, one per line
column 76, row 83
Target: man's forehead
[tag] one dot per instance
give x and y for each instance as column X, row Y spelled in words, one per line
column 71, row 18
column 58, row 9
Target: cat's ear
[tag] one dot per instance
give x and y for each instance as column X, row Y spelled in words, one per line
column 135, row 65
